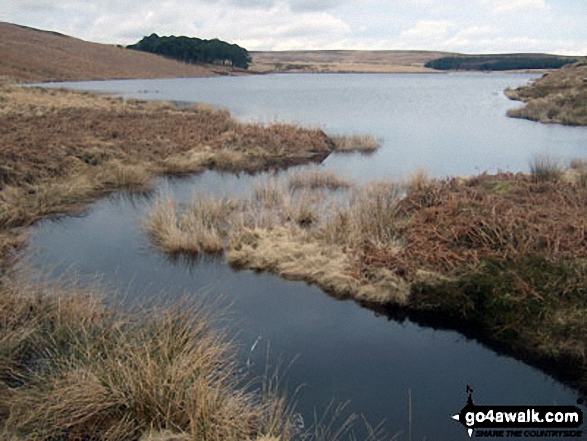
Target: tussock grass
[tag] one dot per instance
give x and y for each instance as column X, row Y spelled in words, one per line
column 71, row 368
column 196, row 231
column 419, row 179
column 356, row 143
column 502, row 253
column 317, row 178
column 546, row 168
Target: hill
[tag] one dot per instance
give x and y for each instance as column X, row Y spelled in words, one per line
column 32, row 55
column 557, row 97
column 330, row 61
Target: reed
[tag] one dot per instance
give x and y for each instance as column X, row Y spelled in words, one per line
column 546, row 168
column 317, row 178
column 356, row 143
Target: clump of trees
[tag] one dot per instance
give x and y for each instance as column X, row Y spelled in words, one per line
column 195, row 50
column 499, row 62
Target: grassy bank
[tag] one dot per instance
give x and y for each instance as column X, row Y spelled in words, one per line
column 503, row 254
column 559, row 97
column 60, row 149
column 71, row 368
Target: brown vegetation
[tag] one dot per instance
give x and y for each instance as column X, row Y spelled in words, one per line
column 356, row 143
column 343, row 61
column 58, row 148
column 72, row 369
column 504, row 253
column 317, row 178
column 557, row 97
column 32, row 55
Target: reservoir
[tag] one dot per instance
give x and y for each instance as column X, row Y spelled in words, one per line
column 331, row 350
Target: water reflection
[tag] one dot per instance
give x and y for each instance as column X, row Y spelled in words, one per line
column 371, row 356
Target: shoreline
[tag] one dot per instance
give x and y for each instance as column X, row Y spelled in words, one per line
column 65, row 150
column 103, row 166
column 464, row 270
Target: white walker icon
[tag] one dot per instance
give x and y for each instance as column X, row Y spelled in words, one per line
column 457, row 417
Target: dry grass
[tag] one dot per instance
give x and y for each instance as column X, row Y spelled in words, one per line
column 300, row 232
column 356, row 143
column 546, row 168
column 196, row 231
column 72, row 369
column 59, row 149
column 343, row 61
column 317, row 178
column 419, row 179
column 504, row 253
column 28, row 54
column 558, row 97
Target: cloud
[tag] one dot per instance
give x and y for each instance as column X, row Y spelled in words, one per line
column 506, row 6
column 452, row 25
column 425, row 34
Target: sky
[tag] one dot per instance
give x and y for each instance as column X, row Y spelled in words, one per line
column 465, row 26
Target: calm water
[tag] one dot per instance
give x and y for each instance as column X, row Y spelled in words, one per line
column 449, row 124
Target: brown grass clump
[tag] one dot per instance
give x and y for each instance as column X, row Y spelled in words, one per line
column 197, row 230
column 558, row 97
column 317, row 178
column 71, row 368
column 299, row 232
column 356, row 143
column 546, row 168
column 419, row 179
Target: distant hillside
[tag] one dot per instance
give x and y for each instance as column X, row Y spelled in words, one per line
column 30, row 55
column 501, row 62
column 343, row 61
column 557, row 97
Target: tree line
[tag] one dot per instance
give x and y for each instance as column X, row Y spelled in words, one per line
column 499, row 63
column 195, row 50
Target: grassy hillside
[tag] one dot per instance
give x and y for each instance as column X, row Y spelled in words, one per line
column 343, row 61
column 557, row 97
column 31, row 55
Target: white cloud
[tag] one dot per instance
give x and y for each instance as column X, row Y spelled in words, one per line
column 425, row 34
column 503, row 6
